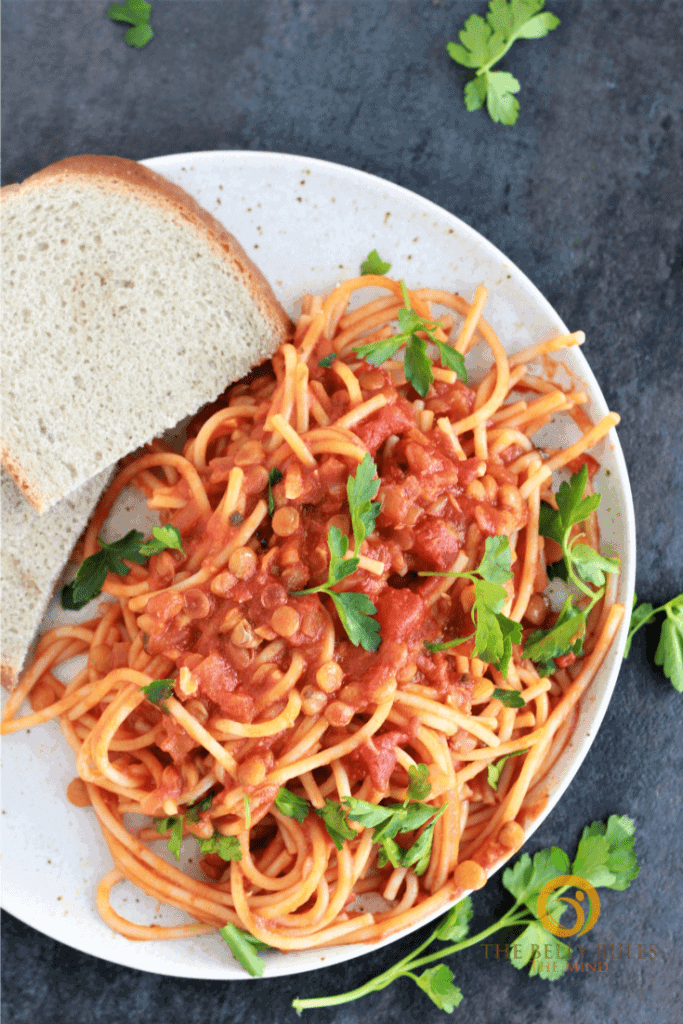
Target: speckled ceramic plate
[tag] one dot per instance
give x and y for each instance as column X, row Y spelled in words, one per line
column 307, row 224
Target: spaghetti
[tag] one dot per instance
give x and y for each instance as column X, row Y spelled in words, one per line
column 268, row 689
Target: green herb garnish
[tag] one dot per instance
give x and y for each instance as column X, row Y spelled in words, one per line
column 93, row 570
column 354, row 610
column 245, row 949
column 486, row 41
column 291, row 805
column 581, row 565
column 493, row 771
column 495, row 633
column 274, row 477
column 374, row 264
column 418, row 367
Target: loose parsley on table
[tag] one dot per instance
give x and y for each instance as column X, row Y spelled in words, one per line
column 135, row 13
column 580, row 564
column 605, row 857
column 418, row 367
column 484, row 41
column 669, row 653
column 355, row 610
column 494, row 632
column 93, row 570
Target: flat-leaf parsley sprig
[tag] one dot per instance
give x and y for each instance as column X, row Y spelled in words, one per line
column 355, row 610
column 581, row 564
column 669, row 653
column 605, row 857
column 494, row 632
column 386, row 820
column 485, row 41
column 93, row 570
column 418, row 368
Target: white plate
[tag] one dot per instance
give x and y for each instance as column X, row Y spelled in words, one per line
column 307, row 224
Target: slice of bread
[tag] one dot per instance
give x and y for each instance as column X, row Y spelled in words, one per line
column 126, row 307
column 34, row 550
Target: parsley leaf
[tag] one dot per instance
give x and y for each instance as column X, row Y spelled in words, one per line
column 526, row 878
column 327, row 361
column 509, row 698
column 227, row 847
column 494, row 633
column 291, row 805
column 605, row 855
column 92, row 572
column 419, row 786
column 360, row 490
column 417, row 363
column 527, row 949
column 274, row 477
column 669, row 653
column 355, row 610
column 565, row 637
column 437, row 982
column 494, row 770
column 456, row 924
column 162, row 537
column 390, row 820
column 581, row 565
column 374, row 264
column 192, row 811
column 158, row 690
column 245, row 949
column 135, row 13
column 483, row 42
column 175, row 824
column 334, row 821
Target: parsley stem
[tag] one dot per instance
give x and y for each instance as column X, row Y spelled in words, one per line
column 410, row 962
column 501, row 53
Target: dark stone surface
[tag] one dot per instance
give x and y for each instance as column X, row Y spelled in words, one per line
column 585, row 194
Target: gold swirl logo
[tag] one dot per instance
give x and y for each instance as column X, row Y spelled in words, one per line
column 584, row 889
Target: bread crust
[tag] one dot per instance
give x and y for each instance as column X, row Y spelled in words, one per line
column 126, row 177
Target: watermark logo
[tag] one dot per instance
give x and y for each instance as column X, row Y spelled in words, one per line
column 584, row 889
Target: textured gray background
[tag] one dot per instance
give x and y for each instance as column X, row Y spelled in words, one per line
column 585, row 195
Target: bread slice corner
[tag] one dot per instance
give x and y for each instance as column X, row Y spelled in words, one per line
column 126, row 307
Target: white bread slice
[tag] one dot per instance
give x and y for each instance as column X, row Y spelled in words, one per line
column 34, row 550
column 126, row 307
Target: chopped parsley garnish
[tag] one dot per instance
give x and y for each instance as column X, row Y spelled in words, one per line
column 493, row 771
column 327, row 361
column 485, row 41
column 245, row 949
column 93, row 570
column 291, row 805
column 158, row 690
column 494, row 632
column 374, row 264
column 418, row 367
column 581, row 565
column 355, row 610
column 274, row 477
